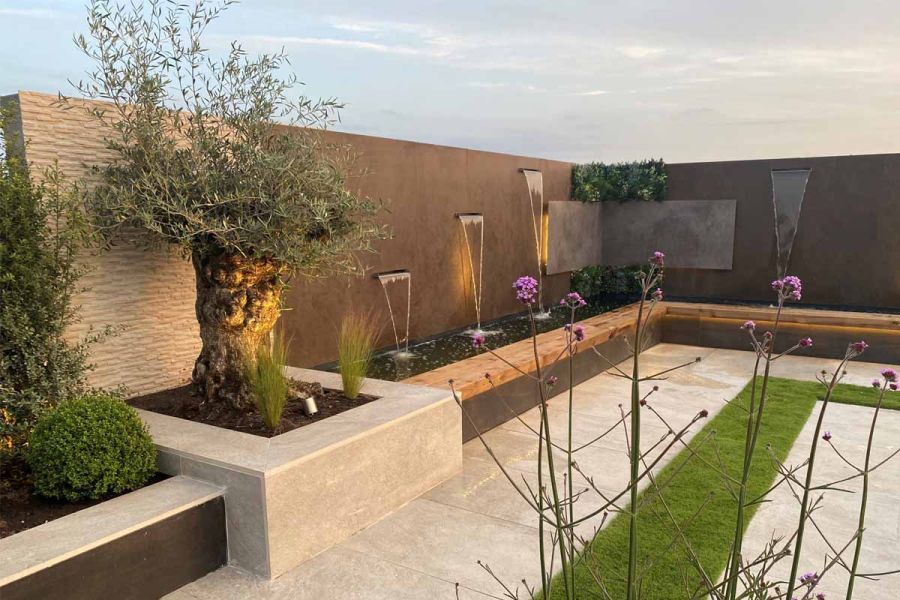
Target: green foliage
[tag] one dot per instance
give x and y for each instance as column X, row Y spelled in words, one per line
column 694, row 483
column 602, row 280
column 42, row 229
column 641, row 180
column 356, row 345
column 202, row 161
column 267, row 381
column 90, row 447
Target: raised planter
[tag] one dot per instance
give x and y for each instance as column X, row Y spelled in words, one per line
column 140, row 545
column 291, row 496
column 508, row 393
column 491, row 403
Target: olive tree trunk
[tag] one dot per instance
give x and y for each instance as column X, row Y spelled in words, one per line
column 238, row 303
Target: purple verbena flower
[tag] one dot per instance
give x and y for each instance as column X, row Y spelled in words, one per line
column 805, row 342
column 889, row 374
column 657, row 294
column 859, row 347
column 487, row 376
column 809, row 578
column 893, row 386
column 477, row 340
column 658, row 259
column 704, row 413
column 826, row 436
column 643, row 402
column 876, row 383
column 820, row 596
column 526, row 289
column 573, row 300
column 748, row 326
column 790, row 287
column 578, row 330
column 551, row 381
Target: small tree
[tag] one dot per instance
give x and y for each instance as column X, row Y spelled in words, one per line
column 203, row 164
column 42, row 229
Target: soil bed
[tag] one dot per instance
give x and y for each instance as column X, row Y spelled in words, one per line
column 184, row 403
column 22, row 509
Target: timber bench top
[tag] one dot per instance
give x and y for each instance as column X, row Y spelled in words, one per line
column 469, row 379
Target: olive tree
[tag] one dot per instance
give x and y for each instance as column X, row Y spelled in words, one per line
column 205, row 161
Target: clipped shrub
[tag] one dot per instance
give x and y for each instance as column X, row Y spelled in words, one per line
column 267, row 381
column 89, row 447
column 356, row 345
column 640, row 180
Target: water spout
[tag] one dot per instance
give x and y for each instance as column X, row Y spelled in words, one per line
column 788, row 189
column 389, row 277
column 474, row 220
column 535, row 181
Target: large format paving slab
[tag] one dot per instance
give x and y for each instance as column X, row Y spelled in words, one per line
column 423, row 549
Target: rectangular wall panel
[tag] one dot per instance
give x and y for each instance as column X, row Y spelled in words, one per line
column 574, row 235
column 694, row 234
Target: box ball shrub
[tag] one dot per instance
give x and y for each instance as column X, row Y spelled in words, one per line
column 89, row 447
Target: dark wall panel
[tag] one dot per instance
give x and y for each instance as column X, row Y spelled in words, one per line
column 847, row 248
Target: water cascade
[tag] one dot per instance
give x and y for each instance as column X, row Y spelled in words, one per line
column 474, row 220
column 389, row 277
column 788, row 189
column 535, row 181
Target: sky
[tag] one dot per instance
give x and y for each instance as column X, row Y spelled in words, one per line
column 585, row 80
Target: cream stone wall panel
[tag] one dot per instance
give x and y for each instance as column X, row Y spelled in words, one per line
column 148, row 292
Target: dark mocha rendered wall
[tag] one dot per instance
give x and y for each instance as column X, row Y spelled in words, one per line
column 847, row 250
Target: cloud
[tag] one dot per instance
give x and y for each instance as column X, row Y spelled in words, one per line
column 268, row 40
column 30, row 13
column 498, row 85
column 640, row 52
column 592, row 93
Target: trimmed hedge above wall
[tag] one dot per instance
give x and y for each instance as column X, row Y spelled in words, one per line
column 639, row 180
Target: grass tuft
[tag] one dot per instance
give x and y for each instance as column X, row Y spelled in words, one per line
column 267, row 380
column 356, row 345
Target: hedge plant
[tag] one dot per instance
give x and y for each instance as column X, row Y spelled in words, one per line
column 90, row 447
column 639, row 180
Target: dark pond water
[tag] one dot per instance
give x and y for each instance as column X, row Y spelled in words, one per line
column 451, row 347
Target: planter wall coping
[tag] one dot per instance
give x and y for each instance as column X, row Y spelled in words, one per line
column 45, row 545
column 261, row 456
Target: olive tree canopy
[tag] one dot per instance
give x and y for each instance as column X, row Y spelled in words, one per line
column 205, row 160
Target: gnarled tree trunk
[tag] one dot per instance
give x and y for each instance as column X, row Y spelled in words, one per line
column 238, row 303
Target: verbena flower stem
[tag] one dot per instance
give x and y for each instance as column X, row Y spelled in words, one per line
column 865, row 496
column 571, row 502
column 634, row 458
column 568, row 578
column 804, row 503
column 753, row 424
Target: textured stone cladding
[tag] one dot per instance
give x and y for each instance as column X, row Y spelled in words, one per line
column 149, row 294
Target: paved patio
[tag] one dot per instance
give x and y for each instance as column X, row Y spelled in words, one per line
column 433, row 542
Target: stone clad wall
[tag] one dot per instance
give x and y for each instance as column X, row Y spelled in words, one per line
column 149, row 293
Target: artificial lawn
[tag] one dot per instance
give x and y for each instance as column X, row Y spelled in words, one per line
column 671, row 575
column 859, row 395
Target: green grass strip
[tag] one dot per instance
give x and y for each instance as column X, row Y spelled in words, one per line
column 859, row 395
column 669, row 573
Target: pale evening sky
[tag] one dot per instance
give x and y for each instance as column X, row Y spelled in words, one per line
column 571, row 79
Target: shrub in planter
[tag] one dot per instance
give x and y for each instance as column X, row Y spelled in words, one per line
column 89, row 447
